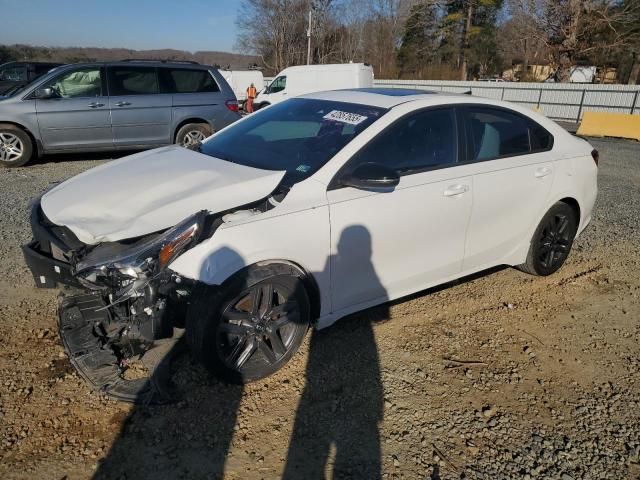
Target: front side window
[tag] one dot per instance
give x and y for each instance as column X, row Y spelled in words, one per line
column 416, row 142
column 497, row 133
column 14, row 74
column 181, row 80
column 297, row 135
column 127, row 80
column 83, row 82
column 278, row 85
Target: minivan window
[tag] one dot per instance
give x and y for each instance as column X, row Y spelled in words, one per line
column 81, row 82
column 16, row 73
column 182, row 80
column 278, row 85
column 497, row 133
column 419, row 141
column 126, row 80
column 298, row 136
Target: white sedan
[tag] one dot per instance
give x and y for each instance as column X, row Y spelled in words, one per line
column 298, row 215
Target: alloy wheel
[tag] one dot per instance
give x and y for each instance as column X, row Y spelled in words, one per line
column 555, row 241
column 11, row 147
column 193, row 138
column 259, row 324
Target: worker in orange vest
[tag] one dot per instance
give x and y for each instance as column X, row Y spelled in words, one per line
column 251, row 94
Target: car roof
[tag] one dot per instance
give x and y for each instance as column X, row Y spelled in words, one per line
column 378, row 97
column 147, row 63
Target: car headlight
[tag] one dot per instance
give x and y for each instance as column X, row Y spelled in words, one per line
column 146, row 258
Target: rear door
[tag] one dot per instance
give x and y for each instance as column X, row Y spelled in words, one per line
column 196, row 95
column 511, row 182
column 140, row 113
column 77, row 117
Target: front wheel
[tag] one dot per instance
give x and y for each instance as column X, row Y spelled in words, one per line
column 552, row 241
column 192, row 134
column 16, row 147
column 244, row 331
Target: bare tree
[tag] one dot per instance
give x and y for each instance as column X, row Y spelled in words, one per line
column 573, row 30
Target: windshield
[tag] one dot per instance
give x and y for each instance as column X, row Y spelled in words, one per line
column 298, row 135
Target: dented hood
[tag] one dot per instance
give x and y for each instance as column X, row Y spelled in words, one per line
column 151, row 191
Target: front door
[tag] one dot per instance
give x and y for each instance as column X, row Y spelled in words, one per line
column 386, row 244
column 140, row 114
column 78, row 114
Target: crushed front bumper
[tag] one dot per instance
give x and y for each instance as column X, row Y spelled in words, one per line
column 47, row 272
column 83, row 325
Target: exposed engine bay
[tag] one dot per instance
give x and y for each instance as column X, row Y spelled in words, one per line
column 122, row 310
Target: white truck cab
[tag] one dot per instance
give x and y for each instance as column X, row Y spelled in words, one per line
column 294, row 81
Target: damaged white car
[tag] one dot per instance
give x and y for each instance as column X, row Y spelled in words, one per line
column 298, row 215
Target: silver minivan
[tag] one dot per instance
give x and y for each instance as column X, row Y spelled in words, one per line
column 122, row 105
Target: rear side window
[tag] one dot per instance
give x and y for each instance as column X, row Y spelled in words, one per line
column 541, row 140
column 497, row 133
column 127, row 80
column 183, row 80
column 417, row 142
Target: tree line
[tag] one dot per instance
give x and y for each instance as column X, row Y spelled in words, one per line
column 90, row 54
column 446, row 39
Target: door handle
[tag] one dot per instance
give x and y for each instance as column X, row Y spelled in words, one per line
column 542, row 172
column 454, row 190
column 122, row 104
column 95, row 105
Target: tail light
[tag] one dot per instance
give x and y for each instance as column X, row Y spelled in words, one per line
column 595, row 155
column 232, row 105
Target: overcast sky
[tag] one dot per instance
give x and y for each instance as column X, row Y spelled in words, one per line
column 138, row 24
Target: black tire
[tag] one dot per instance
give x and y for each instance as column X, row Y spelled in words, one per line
column 190, row 134
column 16, row 147
column 552, row 241
column 260, row 106
column 219, row 320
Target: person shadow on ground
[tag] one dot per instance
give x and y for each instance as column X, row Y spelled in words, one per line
column 336, row 429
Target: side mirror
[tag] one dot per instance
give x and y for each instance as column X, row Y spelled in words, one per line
column 369, row 176
column 44, row 93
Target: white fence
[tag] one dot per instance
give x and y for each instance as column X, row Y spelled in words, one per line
column 558, row 101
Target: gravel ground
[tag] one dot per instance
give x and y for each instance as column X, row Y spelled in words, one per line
column 552, row 391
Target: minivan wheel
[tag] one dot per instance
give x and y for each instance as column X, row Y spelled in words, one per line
column 244, row 331
column 15, row 146
column 552, row 241
column 192, row 133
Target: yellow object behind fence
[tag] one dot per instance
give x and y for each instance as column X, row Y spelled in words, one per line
column 601, row 124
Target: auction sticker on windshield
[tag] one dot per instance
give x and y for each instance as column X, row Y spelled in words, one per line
column 345, row 117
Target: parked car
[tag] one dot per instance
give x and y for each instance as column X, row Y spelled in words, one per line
column 114, row 106
column 239, row 81
column 304, row 79
column 18, row 74
column 299, row 215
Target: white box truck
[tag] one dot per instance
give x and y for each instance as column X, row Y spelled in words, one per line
column 294, row 81
column 239, row 81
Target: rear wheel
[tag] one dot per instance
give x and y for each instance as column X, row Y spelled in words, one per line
column 552, row 241
column 191, row 134
column 246, row 331
column 16, row 147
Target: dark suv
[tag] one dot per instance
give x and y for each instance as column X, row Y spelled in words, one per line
column 17, row 74
column 115, row 105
